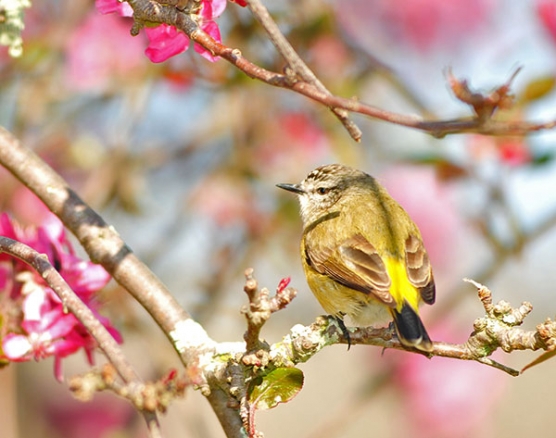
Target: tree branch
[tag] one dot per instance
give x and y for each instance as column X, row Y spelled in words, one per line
column 105, row 246
column 101, row 241
column 302, row 83
column 497, row 329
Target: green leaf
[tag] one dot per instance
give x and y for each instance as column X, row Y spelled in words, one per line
column 278, row 386
column 543, row 158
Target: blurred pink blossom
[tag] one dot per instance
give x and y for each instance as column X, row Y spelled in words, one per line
column 44, row 328
column 511, row 151
column 546, row 10
column 111, row 6
column 421, row 24
column 227, row 201
column 100, row 50
column 292, row 143
column 166, row 41
column 445, row 397
column 514, row 152
column 27, row 207
column 103, row 416
column 329, row 50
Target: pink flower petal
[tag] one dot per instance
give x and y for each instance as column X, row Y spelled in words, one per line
column 61, row 326
column 16, row 347
column 110, row 6
column 206, row 11
column 218, row 7
column 165, row 42
column 35, row 305
column 58, row 372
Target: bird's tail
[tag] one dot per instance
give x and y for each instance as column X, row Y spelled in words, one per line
column 410, row 328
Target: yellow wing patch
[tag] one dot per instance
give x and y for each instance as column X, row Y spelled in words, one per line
column 401, row 288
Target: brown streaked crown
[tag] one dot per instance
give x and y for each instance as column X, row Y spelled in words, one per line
column 323, row 187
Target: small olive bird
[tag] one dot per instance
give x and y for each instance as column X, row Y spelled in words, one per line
column 362, row 254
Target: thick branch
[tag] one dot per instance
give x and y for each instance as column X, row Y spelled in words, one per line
column 101, row 241
column 105, row 246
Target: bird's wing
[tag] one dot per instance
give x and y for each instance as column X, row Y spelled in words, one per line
column 419, row 271
column 356, row 264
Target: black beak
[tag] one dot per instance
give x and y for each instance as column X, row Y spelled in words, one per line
column 294, row 188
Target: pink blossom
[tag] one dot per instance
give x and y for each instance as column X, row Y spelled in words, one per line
column 103, row 416
column 440, row 396
column 213, row 30
column 228, row 202
column 513, row 152
column 44, row 328
column 26, row 206
column 100, row 50
column 421, row 24
column 111, row 6
column 166, row 41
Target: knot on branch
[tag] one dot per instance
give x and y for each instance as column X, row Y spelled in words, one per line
column 498, row 328
column 151, row 396
column 259, row 309
column 484, row 105
column 183, row 14
column 546, row 334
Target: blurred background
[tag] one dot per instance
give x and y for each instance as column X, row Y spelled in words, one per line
column 183, row 157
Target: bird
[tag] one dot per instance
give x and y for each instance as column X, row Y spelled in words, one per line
column 362, row 254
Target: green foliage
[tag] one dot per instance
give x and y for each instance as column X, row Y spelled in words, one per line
column 278, row 386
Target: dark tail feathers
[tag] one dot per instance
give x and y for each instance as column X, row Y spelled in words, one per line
column 410, row 329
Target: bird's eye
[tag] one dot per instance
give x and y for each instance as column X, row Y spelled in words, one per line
column 322, row 190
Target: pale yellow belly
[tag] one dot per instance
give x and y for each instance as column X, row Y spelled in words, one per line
column 363, row 310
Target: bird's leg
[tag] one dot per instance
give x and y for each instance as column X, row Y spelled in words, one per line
column 344, row 329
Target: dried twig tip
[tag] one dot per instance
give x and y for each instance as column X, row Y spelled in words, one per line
column 485, row 295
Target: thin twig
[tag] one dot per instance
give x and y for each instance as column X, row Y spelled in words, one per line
column 297, row 64
column 260, row 307
column 439, row 128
